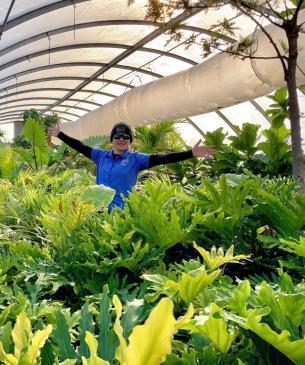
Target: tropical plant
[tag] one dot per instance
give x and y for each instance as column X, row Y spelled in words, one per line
column 158, row 138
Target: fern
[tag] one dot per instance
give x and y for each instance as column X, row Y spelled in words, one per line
column 154, row 218
column 8, row 163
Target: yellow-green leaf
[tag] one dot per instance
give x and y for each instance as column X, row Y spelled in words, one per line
column 294, row 350
column 150, row 343
column 191, row 284
column 22, row 333
column 68, row 362
column 37, row 343
column 215, row 329
column 217, row 258
column 7, row 359
column 186, row 319
column 92, row 344
column 120, row 351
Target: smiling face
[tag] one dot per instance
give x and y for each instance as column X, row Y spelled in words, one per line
column 120, row 143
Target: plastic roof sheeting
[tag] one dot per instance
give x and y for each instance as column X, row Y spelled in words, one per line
column 84, row 53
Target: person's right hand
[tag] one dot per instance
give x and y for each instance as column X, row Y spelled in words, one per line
column 53, row 130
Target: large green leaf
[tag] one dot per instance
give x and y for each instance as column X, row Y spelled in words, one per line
column 215, row 329
column 36, row 134
column 99, row 195
column 131, row 314
column 86, row 324
column 294, row 350
column 191, row 284
column 63, row 339
column 107, row 339
column 150, row 343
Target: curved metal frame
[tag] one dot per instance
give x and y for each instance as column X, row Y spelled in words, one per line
column 185, row 15
column 77, row 64
column 56, row 89
column 102, row 23
column 63, row 78
column 3, row 25
column 34, row 105
column 40, row 11
column 91, row 45
column 104, row 67
column 50, row 98
column 18, row 118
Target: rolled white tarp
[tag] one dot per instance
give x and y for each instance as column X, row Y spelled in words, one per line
column 221, row 81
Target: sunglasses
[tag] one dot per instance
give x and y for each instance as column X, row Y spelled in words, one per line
column 126, row 137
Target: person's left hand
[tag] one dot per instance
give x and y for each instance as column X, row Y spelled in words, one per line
column 202, row 151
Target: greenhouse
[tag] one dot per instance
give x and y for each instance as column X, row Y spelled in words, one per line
column 152, row 202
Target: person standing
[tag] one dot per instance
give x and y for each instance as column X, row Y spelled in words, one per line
column 119, row 168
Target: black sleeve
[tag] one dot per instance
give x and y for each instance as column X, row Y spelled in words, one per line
column 156, row 160
column 75, row 144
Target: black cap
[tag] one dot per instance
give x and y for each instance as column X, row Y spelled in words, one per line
column 121, row 128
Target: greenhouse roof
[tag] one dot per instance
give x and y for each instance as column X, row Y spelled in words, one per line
column 72, row 56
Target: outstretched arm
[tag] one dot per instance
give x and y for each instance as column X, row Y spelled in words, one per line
column 196, row 151
column 71, row 142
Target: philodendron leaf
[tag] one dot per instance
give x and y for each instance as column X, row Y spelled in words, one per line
column 27, row 345
column 215, row 329
column 150, row 343
column 192, row 283
column 7, row 359
column 38, row 341
column 107, row 338
column 63, row 338
column 131, row 314
column 93, row 359
column 238, row 301
column 294, row 350
column 22, row 334
column 294, row 246
column 86, row 324
column 99, row 195
column 118, row 329
column 217, row 258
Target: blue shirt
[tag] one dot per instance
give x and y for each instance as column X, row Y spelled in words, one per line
column 119, row 173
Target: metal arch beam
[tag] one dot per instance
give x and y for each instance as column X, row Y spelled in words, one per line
column 56, row 89
column 52, row 99
column 13, row 112
column 64, row 112
column 92, row 45
column 228, row 122
column 78, row 64
column 185, row 15
column 63, row 78
column 4, row 24
column 261, row 110
column 43, row 104
column 41, row 11
column 194, row 125
column 101, row 23
column 17, row 118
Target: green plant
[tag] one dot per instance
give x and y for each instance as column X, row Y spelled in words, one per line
column 35, row 133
